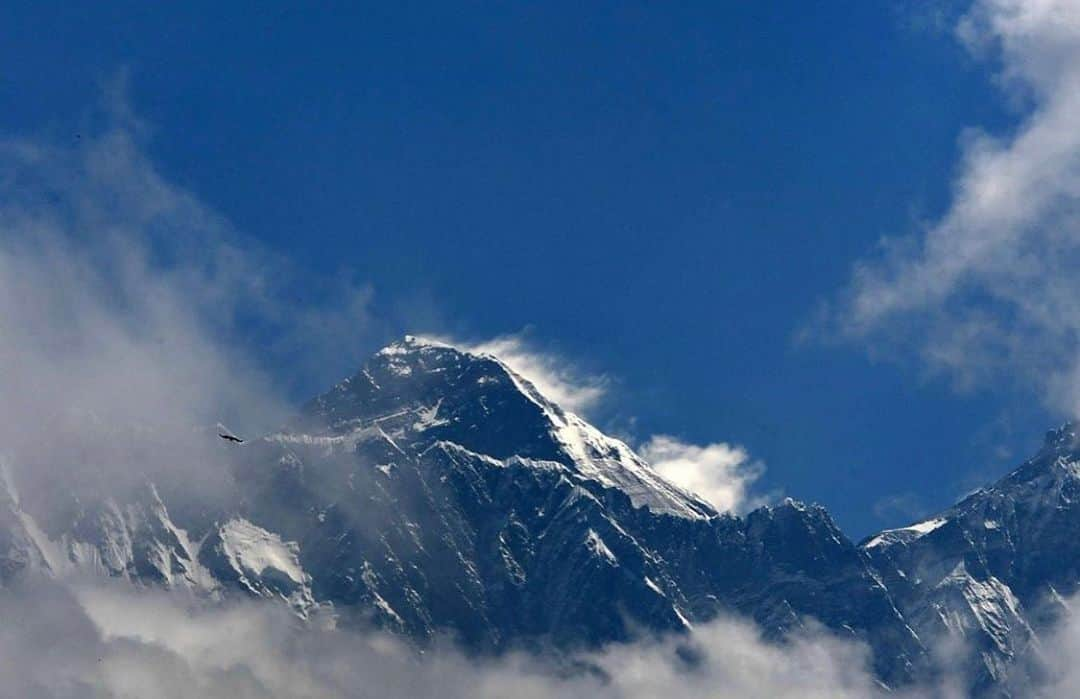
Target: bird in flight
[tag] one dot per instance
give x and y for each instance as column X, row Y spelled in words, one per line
column 230, row 438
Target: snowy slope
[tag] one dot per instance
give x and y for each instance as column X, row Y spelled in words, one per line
column 257, row 560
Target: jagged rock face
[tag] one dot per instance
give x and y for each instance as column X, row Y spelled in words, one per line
column 994, row 569
column 19, row 551
column 436, row 491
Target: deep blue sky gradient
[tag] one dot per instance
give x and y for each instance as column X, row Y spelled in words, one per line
column 664, row 193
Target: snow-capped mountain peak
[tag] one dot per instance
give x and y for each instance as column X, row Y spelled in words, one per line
column 419, row 391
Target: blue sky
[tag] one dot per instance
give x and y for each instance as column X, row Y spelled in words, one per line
column 668, row 196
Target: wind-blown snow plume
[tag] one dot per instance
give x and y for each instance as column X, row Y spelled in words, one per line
column 990, row 289
column 556, row 378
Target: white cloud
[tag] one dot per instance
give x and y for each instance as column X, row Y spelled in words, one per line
column 113, row 641
column 130, row 308
column 557, row 379
column 989, row 291
column 719, row 472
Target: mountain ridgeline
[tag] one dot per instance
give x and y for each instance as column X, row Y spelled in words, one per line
column 438, row 492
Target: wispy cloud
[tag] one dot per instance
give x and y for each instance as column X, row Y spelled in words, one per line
column 129, row 306
column 719, row 472
column 988, row 291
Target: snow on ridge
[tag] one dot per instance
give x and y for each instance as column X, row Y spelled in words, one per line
column 411, row 343
column 428, row 417
column 349, row 440
column 449, row 447
column 606, row 460
column 598, row 548
column 118, row 538
column 992, row 604
column 253, row 550
column 612, row 463
column 914, row 531
column 927, row 526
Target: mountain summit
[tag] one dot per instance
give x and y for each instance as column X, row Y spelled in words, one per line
column 419, row 392
column 438, row 491
column 995, row 568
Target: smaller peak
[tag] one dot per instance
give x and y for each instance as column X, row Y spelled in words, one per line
column 423, row 341
column 790, row 503
column 805, row 511
column 409, row 344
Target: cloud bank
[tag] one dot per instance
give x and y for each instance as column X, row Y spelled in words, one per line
column 989, row 291
column 109, row 641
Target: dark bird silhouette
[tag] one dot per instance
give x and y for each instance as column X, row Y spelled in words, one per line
column 231, row 438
